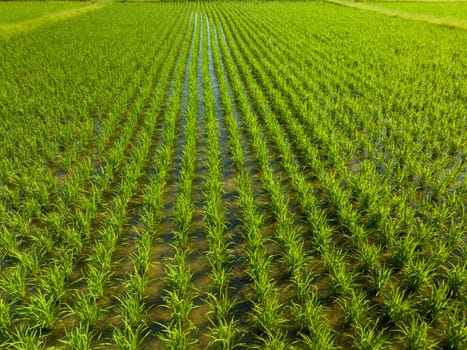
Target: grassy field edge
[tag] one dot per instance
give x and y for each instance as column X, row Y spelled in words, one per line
column 448, row 22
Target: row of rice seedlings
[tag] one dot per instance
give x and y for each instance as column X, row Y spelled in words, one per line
column 441, row 254
column 342, row 282
column 371, row 260
column 252, row 221
column 132, row 307
column 223, row 327
column 267, row 312
column 41, row 202
column 100, row 260
column 281, row 85
column 100, row 263
column 288, row 237
column 179, row 296
column 409, row 127
column 429, row 299
column 300, row 60
column 340, row 279
column 56, row 225
column 323, row 334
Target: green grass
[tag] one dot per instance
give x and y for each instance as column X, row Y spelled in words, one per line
column 453, row 10
column 17, row 11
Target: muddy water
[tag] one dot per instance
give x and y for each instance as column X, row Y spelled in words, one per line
column 196, row 259
column 249, row 159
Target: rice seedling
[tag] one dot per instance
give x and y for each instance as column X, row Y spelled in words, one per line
column 404, row 251
column 5, row 316
column 302, row 283
column 368, row 337
column 224, row 334
column 321, row 338
column 380, row 277
column 369, row 255
column 342, row 280
column 25, row 338
column 419, row 273
column 332, row 258
column 42, row 311
column 8, row 243
column 53, row 283
column 132, row 309
column 414, row 336
column 129, row 338
column 97, row 281
column 436, row 301
column 456, row 331
column 177, row 337
column 274, row 342
column 310, row 313
column 354, row 307
column 440, row 254
column 397, row 307
column 29, row 262
column 86, row 311
column 267, row 314
column 15, row 285
column 456, row 278
column 79, row 338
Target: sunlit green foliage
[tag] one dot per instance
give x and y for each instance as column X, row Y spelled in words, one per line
column 233, row 176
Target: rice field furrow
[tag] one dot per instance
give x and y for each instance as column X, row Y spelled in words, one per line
column 154, row 210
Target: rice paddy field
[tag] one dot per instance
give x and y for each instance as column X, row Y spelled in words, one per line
column 239, row 175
